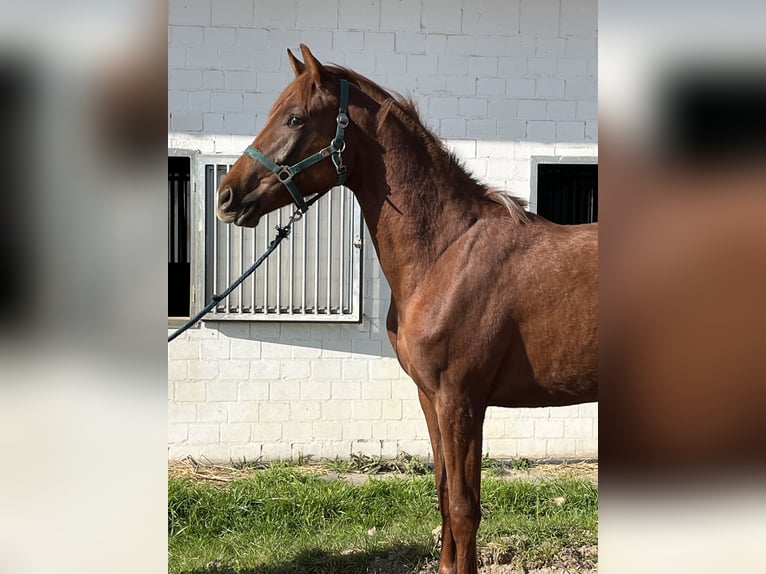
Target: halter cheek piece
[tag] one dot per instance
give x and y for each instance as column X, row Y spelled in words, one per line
column 286, row 173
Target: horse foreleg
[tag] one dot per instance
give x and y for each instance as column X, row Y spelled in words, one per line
column 447, row 557
column 460, row 427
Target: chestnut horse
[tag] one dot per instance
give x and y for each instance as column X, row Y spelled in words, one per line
column 490, row 304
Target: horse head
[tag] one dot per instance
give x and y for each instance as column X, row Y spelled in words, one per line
column 298, row 153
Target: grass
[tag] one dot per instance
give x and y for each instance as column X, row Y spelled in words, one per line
column 283, row 520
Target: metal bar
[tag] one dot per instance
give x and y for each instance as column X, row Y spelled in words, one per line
column 279, row 269
column 329, row 252
column 266, row 270
column 305, row 281
column 342, row 266
column 316, row 257
column 292, row 272
column 227, row 303
column 214, row 250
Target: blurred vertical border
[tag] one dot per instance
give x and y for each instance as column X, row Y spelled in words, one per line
column 82, row 297
column 682, row 114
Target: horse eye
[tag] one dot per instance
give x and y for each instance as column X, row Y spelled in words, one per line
column 294, row 121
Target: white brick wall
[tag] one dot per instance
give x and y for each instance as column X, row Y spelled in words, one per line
column 499, row 80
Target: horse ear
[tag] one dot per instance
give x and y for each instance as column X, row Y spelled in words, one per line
column 316, row 69
column 298, row 66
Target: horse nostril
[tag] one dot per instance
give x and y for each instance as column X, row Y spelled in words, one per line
column 225, row 197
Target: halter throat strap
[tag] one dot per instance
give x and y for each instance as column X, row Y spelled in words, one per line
column 286, row 173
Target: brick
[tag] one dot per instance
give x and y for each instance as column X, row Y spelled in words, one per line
column 356, row 430
column 182, row 412
column 406, row 429
column 411, row 410
column 234, row 369
column 452, row 128
column 442, row 107
column 417, row 64
column 200, row 102
column 591, row 130
column 355, row 369
column 502, row 447
column 301, row 431
column 297, row 369
column 176, row 58
column 274, row 411
column 305, row 410
column 203, row 58
column 186, row 36
column 336, row 349
column 415, row 447
column 317, row 14
column 461, row 86
column 482, row 66
column 376, row 389
column 578, row 428
column 212, row 413
column 272, row 350
column 502, row 108
column 541, row 67
column 202, row 370
column 491, row 45
column 244, row 452
column 539, row 17
column 549, row 46
column 177, row 369
column 277, row 451
column 177, row 432
column 233, row 13
column 252, row 390
column 235, row 432
column 244, row 412
column 391, row 410
column 541, row 130
column 212, row 79
column 452, row 65
column 252, row 38
column 305, row 350
column 318, row 40
column 367, row 447
column 284, row 391
column 213, row 349
column 325, row 370
column 520, row 88
column 579, row 17
column 581, row 88
column 511, row 129
column 482, row 128
column 266, row 431
column 491, row 17
column 347, row 41
column 570, row 131
column 236, row 58
column 356, row 15
column 436, row 43
column 400, row 15
column 186, row 121
column 580, row 47
column 410, row 43
column 477, row 167
column 442, row 15
column 561, row 110
column 571, row 67
column 240, row 80
column 385, row 369
column 473, row 107
column 336, row 410
column 194, row 12
column 346, row 390
column 388, row 368
column 551, row 428
column 532, row 447
column 390, row 63
column 203, row 433
column 531, row 109
column 461, row 45
column 182, row 79
column 587, row 110
column 500, row 169
column 264, row 369
column 490, row 87
column 315, row 390
column 549, row 88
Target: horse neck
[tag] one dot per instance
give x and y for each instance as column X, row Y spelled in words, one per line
column 416, row 201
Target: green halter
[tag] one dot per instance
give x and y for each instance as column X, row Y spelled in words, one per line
column 286, row 173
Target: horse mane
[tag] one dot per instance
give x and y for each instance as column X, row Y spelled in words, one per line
column 406, row 111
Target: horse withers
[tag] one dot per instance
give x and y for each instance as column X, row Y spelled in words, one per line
column 490, row 304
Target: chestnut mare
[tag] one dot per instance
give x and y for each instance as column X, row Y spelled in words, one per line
column 490, row 304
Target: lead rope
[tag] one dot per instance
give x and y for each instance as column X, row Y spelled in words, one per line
column 282, row 233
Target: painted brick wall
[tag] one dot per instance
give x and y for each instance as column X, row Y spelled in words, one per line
column 500, row 80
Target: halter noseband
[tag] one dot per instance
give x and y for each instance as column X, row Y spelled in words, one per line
column 286, row 173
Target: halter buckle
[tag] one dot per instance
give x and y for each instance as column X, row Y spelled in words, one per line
column 342, row 120
column 284, row 174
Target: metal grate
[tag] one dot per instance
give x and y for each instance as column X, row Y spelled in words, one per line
column 568, row 193
column 314, row 275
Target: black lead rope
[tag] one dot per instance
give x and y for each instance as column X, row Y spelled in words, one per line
column 282, row 233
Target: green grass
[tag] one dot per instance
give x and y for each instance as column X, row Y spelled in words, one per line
column 282, row 520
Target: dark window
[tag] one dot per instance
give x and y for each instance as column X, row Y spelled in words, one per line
column 179, row 175
column 568, row 193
